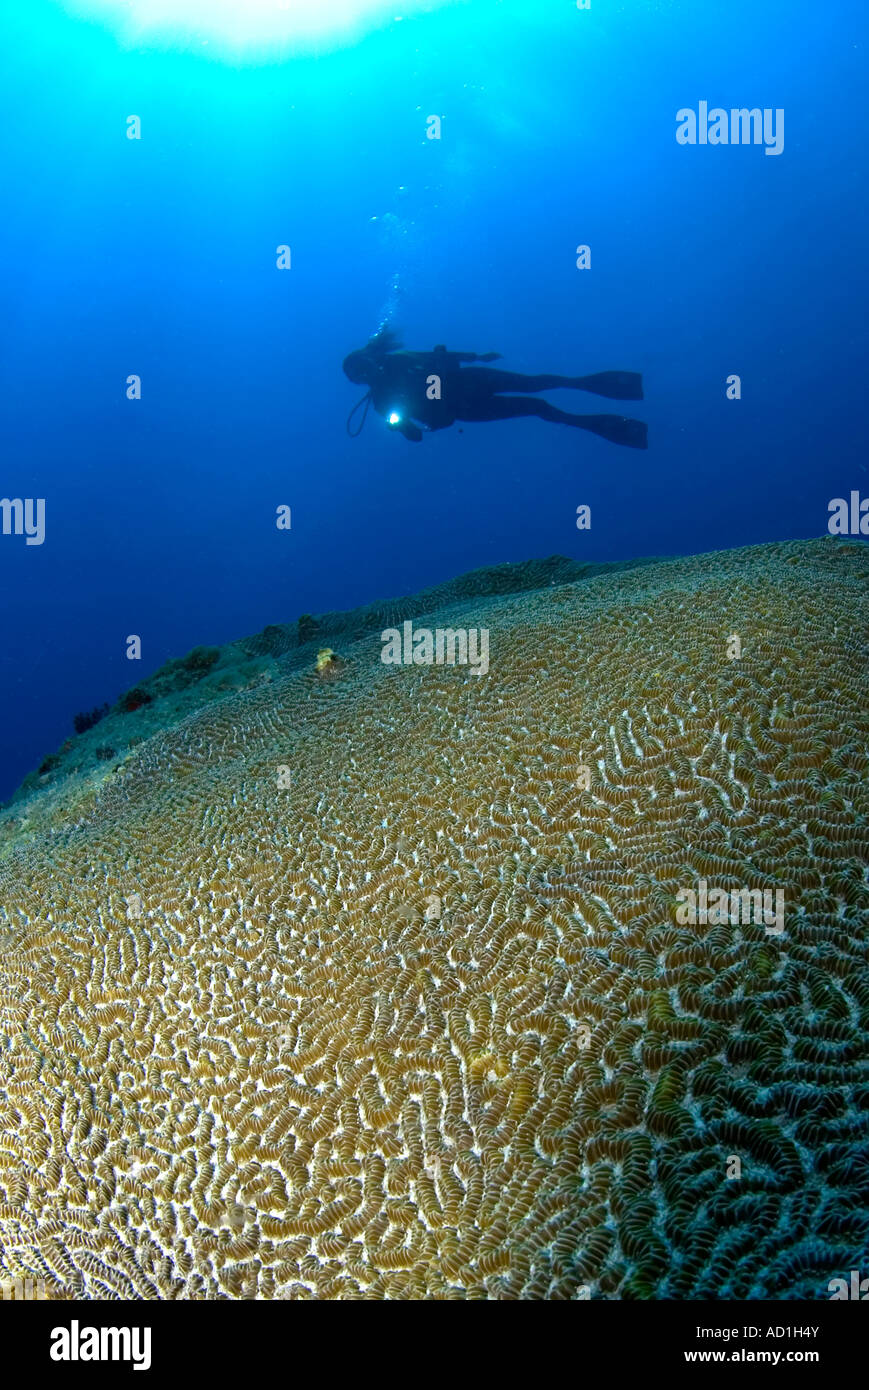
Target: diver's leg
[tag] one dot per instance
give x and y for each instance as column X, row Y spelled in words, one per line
column 617, row 428
column 618, row 386
column 491, row 379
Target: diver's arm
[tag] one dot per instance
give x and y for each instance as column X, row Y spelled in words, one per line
column 405, row 427
column 458, row 357
column 410, row 431
column 441, row 359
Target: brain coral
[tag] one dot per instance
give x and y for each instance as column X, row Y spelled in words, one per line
column 375, row 988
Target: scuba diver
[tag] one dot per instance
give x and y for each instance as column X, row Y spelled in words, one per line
column 436, row 389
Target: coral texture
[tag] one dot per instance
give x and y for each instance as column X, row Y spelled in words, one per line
column 376, row 987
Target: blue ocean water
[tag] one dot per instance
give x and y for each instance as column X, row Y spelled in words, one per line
column 157, row 257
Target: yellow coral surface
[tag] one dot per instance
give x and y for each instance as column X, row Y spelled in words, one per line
column 376, row 987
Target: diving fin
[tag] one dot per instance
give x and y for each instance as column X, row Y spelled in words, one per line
column 618, row 429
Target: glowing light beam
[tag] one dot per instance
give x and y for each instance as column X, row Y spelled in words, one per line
column 248, row 27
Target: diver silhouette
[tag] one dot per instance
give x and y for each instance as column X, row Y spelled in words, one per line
column 400, row 383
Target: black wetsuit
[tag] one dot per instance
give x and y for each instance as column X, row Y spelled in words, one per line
column 402, row 391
